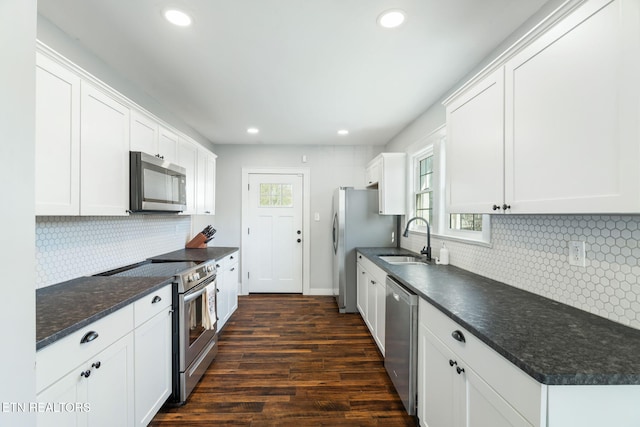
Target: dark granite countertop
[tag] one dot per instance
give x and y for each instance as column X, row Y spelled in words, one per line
column 554, row 343
column 69, row 306
column 196, row 255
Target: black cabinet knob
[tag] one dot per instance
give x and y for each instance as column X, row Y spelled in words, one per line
column 156, row 299
column 496, row 208
column 298, row 232
column 459, row 370
column 299, row 240
column 85, row 373
column 506, row 206
column 452, row 363
column 96, row 365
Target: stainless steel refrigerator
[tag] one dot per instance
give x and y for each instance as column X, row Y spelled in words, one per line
column 356, row 223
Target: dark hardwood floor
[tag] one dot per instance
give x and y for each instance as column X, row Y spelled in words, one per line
column 292, row 360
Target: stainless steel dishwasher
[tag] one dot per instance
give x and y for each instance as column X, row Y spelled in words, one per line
column 401, row 341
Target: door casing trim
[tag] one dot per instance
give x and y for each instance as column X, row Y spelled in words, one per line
column 306, row 219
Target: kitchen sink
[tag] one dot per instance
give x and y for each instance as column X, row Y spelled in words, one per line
column 402, row 259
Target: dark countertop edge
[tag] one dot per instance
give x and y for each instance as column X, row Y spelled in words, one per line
column 546, row 379
column 219, row 252
column 99, row 315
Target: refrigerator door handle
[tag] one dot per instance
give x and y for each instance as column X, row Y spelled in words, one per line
column 335, row 233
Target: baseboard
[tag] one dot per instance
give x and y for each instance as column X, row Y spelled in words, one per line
column 320, row 291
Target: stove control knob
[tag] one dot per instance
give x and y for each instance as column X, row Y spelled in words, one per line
column 210, row 268
column 197, row 276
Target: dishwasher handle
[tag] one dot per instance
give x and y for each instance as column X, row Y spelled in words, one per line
column 399, row 293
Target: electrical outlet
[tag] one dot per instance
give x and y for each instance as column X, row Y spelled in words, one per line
column 576, row 253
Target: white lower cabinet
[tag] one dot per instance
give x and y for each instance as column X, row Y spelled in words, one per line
column 465, row 383
column 370, row 299
column 152, row 369
column 100, row 391
column 228, row 285
column 120, row 376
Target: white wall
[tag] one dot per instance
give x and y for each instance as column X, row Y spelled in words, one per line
column 17, row 142
column 330, row 167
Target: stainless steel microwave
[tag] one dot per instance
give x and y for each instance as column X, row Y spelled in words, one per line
column 155, row 185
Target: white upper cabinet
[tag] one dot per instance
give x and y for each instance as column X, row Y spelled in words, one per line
column 572, row 140
column 57, row 139
column 206, row 183
column 387, row 173
column 144, row 133
column 84, row 132
column 570, row 115
column 104, row 154
column 475, row 160
column 187, row 157
column 168, row 145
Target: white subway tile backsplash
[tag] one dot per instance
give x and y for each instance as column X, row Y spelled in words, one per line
column 531, row 253
column 70, row 247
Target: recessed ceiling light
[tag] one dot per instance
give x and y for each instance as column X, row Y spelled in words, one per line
column 391, row 18
column 177, row 17
column 343, row 132
column 253, row 130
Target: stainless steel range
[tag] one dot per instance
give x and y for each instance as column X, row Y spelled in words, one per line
column 195, row 338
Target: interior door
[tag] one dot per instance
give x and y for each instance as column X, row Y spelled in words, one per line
column 274, row 233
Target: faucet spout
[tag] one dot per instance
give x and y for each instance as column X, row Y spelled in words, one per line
column 427, row 249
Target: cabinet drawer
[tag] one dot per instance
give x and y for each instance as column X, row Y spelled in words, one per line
column 378, row 274
column 228, row 261
column 512, row 384
column 150, row 305
column 57, row 359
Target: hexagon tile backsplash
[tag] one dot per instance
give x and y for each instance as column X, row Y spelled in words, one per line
column 531, row 253
column 70, row 247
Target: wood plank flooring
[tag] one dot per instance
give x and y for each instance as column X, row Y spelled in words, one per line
column 292, row 360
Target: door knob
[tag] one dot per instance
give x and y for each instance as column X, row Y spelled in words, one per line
column 299, row 240
column 298, row 232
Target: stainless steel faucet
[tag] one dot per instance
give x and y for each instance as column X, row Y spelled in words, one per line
column 427, row 249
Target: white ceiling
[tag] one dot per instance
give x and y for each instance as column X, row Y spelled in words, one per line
column 298, row 70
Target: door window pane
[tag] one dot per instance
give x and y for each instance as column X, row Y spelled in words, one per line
column 276, row 195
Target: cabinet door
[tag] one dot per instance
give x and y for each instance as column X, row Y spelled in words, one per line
column 71, row 389
column 362, row 283
column 438, row 388
column 374, row 172
column 188, row 158
column 104, row 136
column 57, row 148
column 152, row 366
column 110, row 389
column 168, row 145
column 475, row 143
column 223, row 299
column 206, row 185
column 381, row 303
column 370, row 319
column 144, row 133
column 572, row 135
column 485, row 407
column 392, row 185
column 234, row 284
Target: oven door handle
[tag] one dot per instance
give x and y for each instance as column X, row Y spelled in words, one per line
column 194, row 295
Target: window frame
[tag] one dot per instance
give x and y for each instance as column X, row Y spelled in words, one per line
column 435, row 144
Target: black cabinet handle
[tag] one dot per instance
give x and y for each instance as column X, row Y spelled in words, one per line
column 496, row 208
column 85, row 373
column 506, row 206
column 233, row 269
column 156, row 299
column 459, row 370
column 231, row 257
column 217, row 265
column 88, row 337
column 96, row 365
column 452, row 363
column 299, row 240
column 458, row 336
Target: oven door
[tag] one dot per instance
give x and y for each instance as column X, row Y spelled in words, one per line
column 194, row 336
